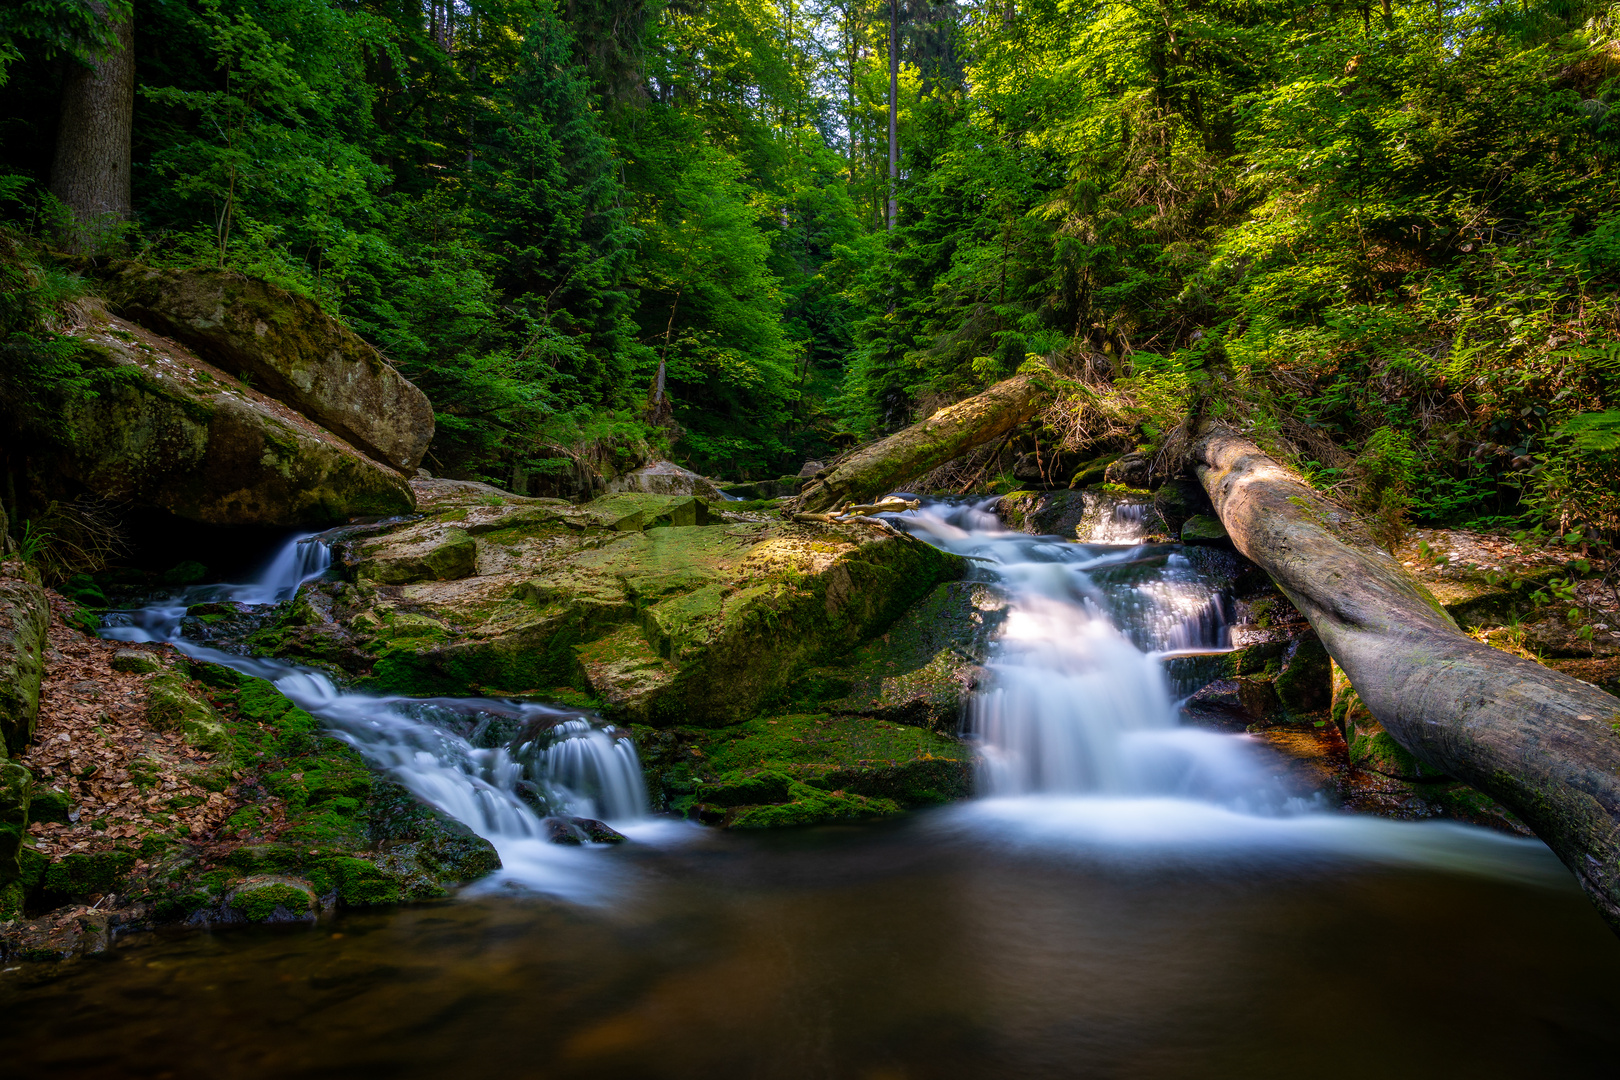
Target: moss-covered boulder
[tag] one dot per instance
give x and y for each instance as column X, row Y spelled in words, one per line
column 441, row 553
column 1043, row 513
column 172, row 706
column 642, row 604
column 1204, row 529
column 287, row 346
column 802, row 769
column 166, row 430
column 921, row 670
column 24, row 615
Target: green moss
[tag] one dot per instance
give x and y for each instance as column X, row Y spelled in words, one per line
column 808, row 806
column 80, row 875
column 180, row 907
column 171, row 705
column 256, row 903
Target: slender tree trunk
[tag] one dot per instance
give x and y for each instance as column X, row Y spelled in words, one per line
column 894, row 110
column 91, row 172
column 1543, row 744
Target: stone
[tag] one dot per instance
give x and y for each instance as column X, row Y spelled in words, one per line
column 1204, row 529
column 168, row 431
column 444, row 553
column 637, row 603
column 665, row 478
column 24, row 616
column 1092, row 472
column 1178, row 500
column 270, row 898
column 288, row 347
column 138, row 661
column 16, row 791
column 171, row 705
column 923, row 669
column 1133, row 470
column 1043, row 513
column 578, row 830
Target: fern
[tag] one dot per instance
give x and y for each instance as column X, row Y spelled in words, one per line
column 1594, row 431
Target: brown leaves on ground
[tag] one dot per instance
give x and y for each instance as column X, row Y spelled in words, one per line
column 122, row 779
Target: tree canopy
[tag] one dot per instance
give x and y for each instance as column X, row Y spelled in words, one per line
column 1385, row 238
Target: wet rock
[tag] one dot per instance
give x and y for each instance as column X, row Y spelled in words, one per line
column 273, row 899
column 1043, row 513
column 1133, row 470
column 433, row 553
column 1204, row 529
column 780, row 488
column 24, row 616
column 578, row 830
column 138, row 661
column 1093, row 471
column 802, row 768
column 1181, row 499
column 1115, row 517
column 167, row 430
column 922, row 670
column 288, row 347
column 665, row 478
column 632, row 599
column 171, row 705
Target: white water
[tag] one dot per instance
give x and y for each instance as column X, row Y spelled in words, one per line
column 1076, row 701
column 564, row 762
column 1082, row 750
column 1083, row 757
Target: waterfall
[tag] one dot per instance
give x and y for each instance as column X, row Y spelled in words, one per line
column 303, row 558
column 1076, row 701
column 561, row 762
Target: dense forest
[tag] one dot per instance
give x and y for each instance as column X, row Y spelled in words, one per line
column 1385, row 239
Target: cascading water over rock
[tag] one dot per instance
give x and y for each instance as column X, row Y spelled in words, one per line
column 552, row 762
column 1076, row 700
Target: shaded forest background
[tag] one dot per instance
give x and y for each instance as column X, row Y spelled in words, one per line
column 1383, row 238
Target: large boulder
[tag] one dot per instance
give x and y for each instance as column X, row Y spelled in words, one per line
column 24, row 615
column 634, row 602
column 665, row 478
column 167, row 430
column 287, row 347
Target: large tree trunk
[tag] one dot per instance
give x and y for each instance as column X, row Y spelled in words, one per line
column 91, row 171
column 894, row 112
column 949, row 433
column 1545, row 745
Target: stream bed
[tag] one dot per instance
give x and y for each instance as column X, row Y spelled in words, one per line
column 984, row 940
column 1126, row 897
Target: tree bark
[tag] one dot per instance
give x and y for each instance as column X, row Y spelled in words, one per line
column 90, row 174
column 949, row 433
column 894, row 111
column 1544, row 744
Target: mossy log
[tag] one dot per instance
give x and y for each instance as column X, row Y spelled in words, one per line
column 949, row 433
column 1544, row 744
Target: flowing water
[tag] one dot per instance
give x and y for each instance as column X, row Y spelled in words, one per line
column 551, row 761
column 1127, row 897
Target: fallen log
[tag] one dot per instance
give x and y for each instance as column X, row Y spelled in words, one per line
column 949, row 433
column 1543, row 744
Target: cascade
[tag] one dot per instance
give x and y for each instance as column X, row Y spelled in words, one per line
column 558, row 762
column 1076, row 701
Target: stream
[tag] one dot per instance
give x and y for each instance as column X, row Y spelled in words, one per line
column 1126, row 896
